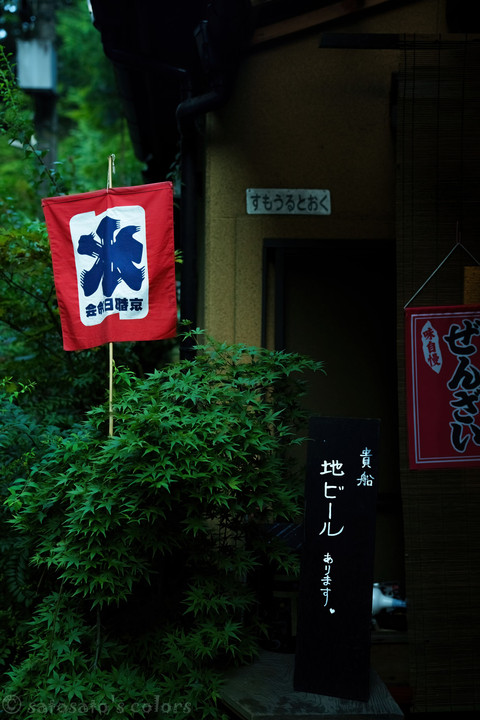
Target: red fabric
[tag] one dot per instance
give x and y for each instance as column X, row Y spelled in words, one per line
column 113, row 264
column 443, row 386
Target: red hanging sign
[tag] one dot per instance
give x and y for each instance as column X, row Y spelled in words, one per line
column 114, row 265
column 443, row 386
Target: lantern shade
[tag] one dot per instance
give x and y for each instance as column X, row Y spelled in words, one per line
column 36, row 65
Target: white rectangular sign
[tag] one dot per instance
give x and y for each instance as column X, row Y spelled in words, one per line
column 282, row 201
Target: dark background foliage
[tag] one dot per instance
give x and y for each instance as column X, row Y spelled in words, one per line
column 126, row 560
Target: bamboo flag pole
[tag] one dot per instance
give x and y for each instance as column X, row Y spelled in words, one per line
column 111, row 170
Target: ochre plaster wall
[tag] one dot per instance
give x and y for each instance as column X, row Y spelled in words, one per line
column 305, row 117
column 300, row 117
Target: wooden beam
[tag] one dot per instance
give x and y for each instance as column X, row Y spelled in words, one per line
column 312, row 19
column 362, row 41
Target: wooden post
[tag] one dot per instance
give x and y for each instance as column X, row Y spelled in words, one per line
column 111, row 170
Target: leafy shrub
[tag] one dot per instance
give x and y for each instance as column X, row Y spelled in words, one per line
column 149, row 536
column 20, row 437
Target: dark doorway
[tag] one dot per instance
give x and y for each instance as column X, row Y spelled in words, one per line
column 335, row 301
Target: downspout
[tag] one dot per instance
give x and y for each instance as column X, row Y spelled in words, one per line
column 220, row 40
column 188, row 111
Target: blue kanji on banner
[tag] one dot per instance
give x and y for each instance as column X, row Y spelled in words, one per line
column 114, row 257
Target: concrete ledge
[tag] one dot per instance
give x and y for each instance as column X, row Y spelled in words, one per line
column 264, row 691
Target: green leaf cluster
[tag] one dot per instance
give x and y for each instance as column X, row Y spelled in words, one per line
column 21, row 437
column 147, row 539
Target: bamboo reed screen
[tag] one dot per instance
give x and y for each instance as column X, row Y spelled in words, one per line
column 438, row 203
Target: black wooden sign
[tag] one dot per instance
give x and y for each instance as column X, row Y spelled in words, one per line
column 335, row 598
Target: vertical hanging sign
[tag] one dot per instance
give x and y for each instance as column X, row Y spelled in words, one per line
column 335, row 598
column 443, row 386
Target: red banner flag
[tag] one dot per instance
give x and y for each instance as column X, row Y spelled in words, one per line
column 113, row 264
column 443, row 386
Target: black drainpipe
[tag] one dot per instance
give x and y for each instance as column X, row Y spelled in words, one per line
column 220, row 41
column 188, row 111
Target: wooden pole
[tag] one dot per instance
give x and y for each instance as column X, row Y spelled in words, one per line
column 111, row 170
